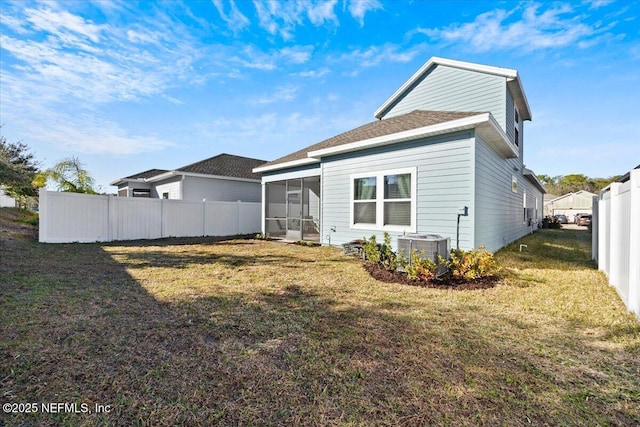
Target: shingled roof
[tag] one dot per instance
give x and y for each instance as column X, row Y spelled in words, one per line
column 226, row 165
column 413, row 120
column 147, row 174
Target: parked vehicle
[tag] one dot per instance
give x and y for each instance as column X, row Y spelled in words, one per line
column 562, row 219
column 584, row 220
column 577, row 217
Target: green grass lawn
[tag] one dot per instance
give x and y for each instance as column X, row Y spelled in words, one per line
column 246, row 332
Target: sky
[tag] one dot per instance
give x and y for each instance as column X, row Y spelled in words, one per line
column 131, row 86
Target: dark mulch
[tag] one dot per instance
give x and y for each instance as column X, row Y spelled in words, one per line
column 381, row 274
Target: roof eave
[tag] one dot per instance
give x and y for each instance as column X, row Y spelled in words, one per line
column 519, row 97
column 198, row 175
column 493, row 134
column 531, row 176
column 126, row 180
column 484, row 123
column 286, row 165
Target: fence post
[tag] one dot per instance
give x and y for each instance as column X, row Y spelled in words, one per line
column 615, row 251
column 594, row 228
column 42, row 215
column 204, row 217
column 634, row 242
column 239, row 205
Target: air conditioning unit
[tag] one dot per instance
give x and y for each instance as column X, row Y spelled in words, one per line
column 426, row 246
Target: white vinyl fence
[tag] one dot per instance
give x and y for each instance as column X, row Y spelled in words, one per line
column 70, row 217
column 617, row 244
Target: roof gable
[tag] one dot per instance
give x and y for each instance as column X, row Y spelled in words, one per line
column 513, row 83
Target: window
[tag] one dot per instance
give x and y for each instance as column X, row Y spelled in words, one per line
column 524, row 208
column 137, row 192
column 364, row 200
column 517, row 137
column 384, row 200
column 165, row 195
column 517, row 118
column 397, row 199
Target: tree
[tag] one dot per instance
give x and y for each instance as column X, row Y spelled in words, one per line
column 70, row 175
column 574, row 182
column 17, row 169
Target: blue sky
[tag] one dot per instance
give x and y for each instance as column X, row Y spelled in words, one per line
column 130, row 86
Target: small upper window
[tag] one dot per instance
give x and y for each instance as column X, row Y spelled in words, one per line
column 516, row 115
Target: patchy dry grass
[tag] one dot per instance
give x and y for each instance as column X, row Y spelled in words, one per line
column 244, row 332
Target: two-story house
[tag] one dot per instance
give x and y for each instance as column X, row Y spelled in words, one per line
column 450, row 138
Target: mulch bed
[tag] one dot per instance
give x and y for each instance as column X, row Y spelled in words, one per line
column 383, row 275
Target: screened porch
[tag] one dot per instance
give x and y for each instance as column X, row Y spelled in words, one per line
column 292, row 209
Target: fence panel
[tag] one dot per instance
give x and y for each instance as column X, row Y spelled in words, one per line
column 69, row 217
column 182, row 218
column 132, row 219
column 618, row 229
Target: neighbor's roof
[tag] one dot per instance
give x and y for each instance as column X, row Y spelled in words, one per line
column 222, row 165
column 147, row 174
column 513, row 82
column 414, row 120
column 225, row 165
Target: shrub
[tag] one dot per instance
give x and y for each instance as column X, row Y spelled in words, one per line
column 471, row 265
column 421, row 268
column 381, row 253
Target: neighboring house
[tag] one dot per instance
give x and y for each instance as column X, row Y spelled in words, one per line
column 224, row 177
column 450, row 137
column 6, row 201
column 570, row 204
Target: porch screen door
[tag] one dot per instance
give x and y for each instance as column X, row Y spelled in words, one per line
column 294, row 215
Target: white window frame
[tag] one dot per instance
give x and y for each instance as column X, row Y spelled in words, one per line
column 380, row 200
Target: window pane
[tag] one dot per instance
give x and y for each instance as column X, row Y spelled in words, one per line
column 397, row 213
column 397, row 186
column 364, row 188
column 364, row 213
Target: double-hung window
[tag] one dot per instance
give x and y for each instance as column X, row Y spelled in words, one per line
column 384, row 200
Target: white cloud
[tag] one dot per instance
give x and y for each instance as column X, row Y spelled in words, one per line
column 596, row 4
column 234, row 19
column 534, row 29
column 282, row 17
column 314, row 73
column 386, row 53
column 359, row 8
column 281, row 94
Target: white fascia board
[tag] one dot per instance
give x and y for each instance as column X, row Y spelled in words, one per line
column 161, row 176
column 423, row 132
column 293, row 163
column 528, row 173
column 198, row 175
column 227, row 178
column 493, row 134
column 504, row 72
column 125, row 180
column 520, row 98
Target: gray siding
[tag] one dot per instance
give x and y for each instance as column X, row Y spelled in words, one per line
column 444, row 185
column 499, row 211
column 221, row 190
column 452, row 89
